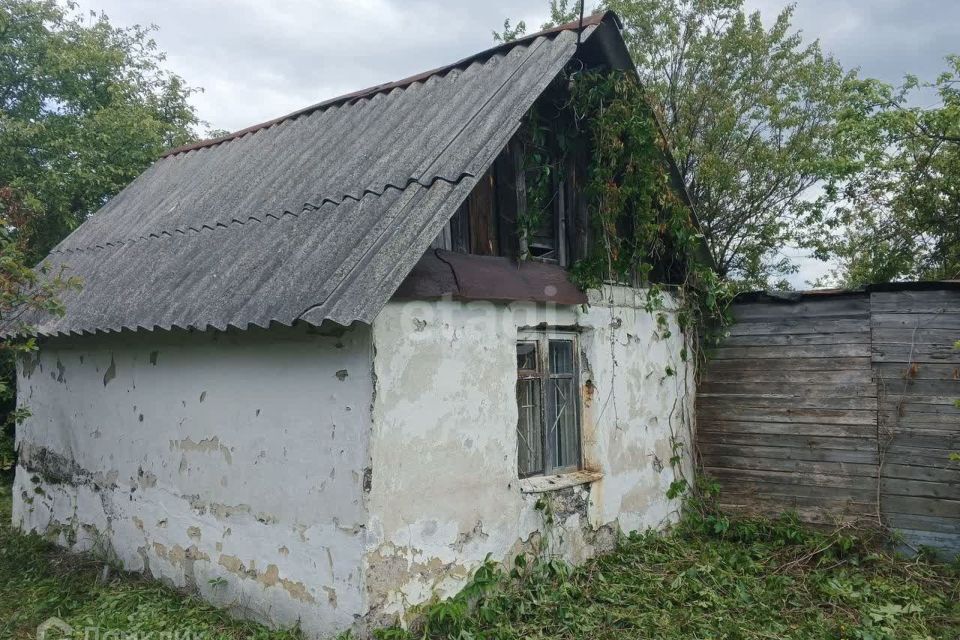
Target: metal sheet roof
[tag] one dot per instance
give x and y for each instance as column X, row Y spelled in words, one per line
column 316, row 216
column 460, row 276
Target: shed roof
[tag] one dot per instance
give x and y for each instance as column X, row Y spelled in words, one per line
column 316, row 216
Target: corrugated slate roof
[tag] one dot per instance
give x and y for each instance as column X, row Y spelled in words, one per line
column 312, row 217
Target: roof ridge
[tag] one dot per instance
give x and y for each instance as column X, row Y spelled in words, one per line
column 306, row 207
column 593, row 19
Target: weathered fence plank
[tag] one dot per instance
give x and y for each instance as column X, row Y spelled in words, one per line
column 794, row 351
column 796, row 364
column 799, row 327
column 787, row 414
column 791, row 428
column 840, row 407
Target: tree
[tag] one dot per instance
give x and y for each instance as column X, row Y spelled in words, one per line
column 751, row 115
column 900, row 219
column 84, row 108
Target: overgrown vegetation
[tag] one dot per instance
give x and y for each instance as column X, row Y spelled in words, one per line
column 641, row 229
column 639, row 223
column 38, row 581
column 710, row 577
column 752, row 115
column 756, row 118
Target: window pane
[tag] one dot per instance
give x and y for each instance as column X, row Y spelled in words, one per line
column 561, row 356
column 529, row 427
column 527, row 356
column 541, row 205
column 564, row 434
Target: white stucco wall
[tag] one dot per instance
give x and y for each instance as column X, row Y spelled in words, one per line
column 230, row 463
column 337, row 479
column 445, row 492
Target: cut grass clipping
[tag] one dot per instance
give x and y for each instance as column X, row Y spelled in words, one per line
column 708, row 578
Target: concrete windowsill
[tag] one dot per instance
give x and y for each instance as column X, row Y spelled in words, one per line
column 541, row 484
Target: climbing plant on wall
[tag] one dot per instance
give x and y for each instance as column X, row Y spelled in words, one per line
column 641, row 229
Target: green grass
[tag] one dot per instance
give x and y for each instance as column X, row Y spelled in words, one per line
column 709, row 578
column 38, row 581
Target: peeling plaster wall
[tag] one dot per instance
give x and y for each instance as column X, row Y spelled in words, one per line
column 234, row 464
column 276, row 474
column 444, row 489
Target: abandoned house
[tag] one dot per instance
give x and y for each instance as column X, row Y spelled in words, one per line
column 309, row 376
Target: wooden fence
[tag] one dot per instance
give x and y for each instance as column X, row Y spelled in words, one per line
column 840, row 406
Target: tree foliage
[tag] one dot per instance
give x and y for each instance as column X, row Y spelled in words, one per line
column 751, row 114
column 84, row 108
column 640, row 227
column 900, row 217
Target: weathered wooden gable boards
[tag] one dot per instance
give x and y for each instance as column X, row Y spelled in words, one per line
column 840, row 407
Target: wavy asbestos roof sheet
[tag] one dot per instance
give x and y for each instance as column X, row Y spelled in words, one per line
column 316, row 216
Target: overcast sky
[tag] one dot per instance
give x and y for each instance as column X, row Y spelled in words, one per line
column 257, row 60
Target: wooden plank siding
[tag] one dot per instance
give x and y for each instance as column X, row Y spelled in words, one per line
column 786, row 408
column 839, row 407
column 919, row 425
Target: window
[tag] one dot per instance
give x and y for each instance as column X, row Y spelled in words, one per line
column 548, row 424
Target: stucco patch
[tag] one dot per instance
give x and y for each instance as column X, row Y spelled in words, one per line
column 391, row 570
column 467, row 537
column 206, row 445
column 270, row 577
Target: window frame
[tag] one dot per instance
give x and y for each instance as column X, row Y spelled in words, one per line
column 544, row 375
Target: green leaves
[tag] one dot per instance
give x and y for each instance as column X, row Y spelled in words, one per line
column 84, row 108
column 637, row 220
column 900, row 214
column 752, row 116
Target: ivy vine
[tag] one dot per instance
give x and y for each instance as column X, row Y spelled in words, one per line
column 640, row 230
column 539, row 169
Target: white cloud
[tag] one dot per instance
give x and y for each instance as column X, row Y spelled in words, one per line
column 258, row 60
